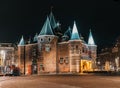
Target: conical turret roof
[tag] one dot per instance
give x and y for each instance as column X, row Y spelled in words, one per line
column 90, row 39
column 46, row 29
column 75, row 35
column 52, row 20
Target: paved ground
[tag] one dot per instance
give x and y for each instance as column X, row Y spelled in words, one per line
column 88, row 81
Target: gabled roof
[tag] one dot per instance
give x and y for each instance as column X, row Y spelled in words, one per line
column 52, row 20
column 46, row 29
column 75, row 35
column 22, row 42
column 35, row 39
column 90, row 39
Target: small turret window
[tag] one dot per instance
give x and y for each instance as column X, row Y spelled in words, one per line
column 49, row 39
column 77, row 49
column 41, row 40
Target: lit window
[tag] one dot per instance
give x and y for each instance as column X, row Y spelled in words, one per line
column 66, row 60
column 61, row 61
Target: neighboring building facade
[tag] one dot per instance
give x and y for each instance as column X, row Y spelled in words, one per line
column 109, row 58
column 7, row 57
column 54, row 52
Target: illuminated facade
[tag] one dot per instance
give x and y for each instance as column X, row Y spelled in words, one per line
column 54, row 52
column 7, row 57
column 109, row 58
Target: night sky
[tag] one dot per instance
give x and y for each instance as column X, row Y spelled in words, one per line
column 26, row 17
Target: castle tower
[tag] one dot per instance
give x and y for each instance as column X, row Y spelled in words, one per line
column 74, row 50
column 47, row 43
column 92, row 50
column 21, row 55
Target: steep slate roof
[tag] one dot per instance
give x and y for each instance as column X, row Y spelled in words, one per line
column 35, row 39
column 52, row 20
column 90, row 39
column 22, row 42
column 75, row 35
column 46, row 29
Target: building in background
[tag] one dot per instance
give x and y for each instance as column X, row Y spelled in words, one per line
column 8, row 57
column 109, row 58
column 52, row 51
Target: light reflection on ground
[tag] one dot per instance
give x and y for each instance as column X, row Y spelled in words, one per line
column 60, row 82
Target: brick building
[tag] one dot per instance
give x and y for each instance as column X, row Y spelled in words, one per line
column 54, row 52
column 109, row 58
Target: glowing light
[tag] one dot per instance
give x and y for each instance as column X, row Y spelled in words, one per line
column 2, row 52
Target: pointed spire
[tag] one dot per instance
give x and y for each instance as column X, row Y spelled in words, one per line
column 75, row 35
column 46, row 29
column 35, row 39
column 90, row 39
column 22, row 42
column 52, row 20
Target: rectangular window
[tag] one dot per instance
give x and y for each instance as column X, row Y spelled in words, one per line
column 61, row 60
column 47, row 47
column 83, row 50
column 66, row 60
